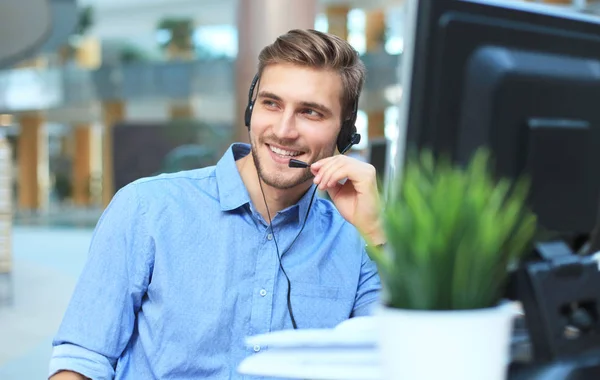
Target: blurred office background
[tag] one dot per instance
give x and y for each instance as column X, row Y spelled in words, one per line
column 122, row 89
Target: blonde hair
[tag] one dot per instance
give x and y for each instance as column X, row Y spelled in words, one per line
column 323, row 51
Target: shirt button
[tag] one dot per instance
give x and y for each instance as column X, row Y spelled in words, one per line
column 263, row 292
column 270, row 236
column 256, row 348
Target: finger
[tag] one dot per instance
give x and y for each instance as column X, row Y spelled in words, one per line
column 362, row 177
column 336, row 177
column 315, row 167
column 324, row 172
column 334, row 172
column 320, row 167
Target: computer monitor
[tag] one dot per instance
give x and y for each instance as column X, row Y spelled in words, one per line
column 519, row 78
column 523, row 80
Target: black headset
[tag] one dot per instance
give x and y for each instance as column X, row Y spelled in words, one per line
column 347, row 136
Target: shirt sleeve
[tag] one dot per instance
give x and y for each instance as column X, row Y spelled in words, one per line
column 369, row 287
column 99, row 319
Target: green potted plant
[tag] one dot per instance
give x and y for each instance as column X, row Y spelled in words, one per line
column 179, row 44
column 130, row 53
column 453, row 234
column 85, row 21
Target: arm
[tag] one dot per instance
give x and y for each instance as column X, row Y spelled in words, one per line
column 99, row 320
column 369, row 287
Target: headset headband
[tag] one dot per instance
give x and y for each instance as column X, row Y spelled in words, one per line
column 347, row 136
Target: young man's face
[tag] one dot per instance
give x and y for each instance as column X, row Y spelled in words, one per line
column 297, row 114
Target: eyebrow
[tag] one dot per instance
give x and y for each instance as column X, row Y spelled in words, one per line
column 317, row 106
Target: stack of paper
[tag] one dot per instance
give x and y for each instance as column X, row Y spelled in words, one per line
column 348, row 351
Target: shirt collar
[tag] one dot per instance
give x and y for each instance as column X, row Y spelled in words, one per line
column 303, row 203
column 233, row 192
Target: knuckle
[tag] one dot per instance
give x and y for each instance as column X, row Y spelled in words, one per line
column 371, row 170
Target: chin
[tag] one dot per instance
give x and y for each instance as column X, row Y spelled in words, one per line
column 281, row 181
column 280, row 176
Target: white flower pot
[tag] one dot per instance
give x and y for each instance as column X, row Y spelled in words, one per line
column 448, row 345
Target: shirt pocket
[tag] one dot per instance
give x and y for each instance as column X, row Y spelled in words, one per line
column 320, row 306
column 315, row 290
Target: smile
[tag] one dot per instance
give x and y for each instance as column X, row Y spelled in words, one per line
column 284, row 153
column 282, row 156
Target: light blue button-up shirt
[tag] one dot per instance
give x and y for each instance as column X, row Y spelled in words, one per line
column 182, row 268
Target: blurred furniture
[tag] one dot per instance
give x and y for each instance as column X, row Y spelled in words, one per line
column 24, row 27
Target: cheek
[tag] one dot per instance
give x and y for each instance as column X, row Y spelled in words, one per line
column 260, row 120
column 325, row 139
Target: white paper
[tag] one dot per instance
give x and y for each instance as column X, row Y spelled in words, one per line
column 348, row 351
column 355, row 332
column 314, row 364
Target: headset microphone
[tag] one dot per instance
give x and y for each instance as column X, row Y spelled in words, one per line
column 302, row 165
column 297, row 164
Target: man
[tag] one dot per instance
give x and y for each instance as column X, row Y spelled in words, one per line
column 182, row 267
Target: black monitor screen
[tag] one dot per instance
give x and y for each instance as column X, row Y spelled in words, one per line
column 524, row 82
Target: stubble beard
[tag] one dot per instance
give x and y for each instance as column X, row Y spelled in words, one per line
column 277, row 180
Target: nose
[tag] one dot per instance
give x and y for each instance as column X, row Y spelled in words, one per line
column 285, row 128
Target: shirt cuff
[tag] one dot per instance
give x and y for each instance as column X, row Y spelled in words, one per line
column 70, row 357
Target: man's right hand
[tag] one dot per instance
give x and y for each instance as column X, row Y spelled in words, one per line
column 68, row 375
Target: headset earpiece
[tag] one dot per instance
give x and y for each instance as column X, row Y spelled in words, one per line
column 248, row 114
column 344, row 140
column 250, row 106
column 348, row 135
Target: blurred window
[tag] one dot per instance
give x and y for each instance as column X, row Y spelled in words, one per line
column 216, row 41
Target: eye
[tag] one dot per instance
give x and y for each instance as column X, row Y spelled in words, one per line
column 312, row 113
column 269, row 104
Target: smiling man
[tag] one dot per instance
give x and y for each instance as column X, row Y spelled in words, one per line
column 182, row 267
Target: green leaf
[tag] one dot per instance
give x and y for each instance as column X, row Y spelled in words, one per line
column 452, row 233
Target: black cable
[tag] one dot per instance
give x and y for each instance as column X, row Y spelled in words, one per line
column 289, row 289
column 279, row 256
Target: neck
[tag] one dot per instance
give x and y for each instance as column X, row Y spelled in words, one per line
column 276, row 199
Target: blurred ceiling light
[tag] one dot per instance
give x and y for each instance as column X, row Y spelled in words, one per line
column 394, row 45
column 219, row 40
column 358, row 42
column 162, row 36
column 391, row 121
column 393, row 94
column 321, row 23
column 356, row 24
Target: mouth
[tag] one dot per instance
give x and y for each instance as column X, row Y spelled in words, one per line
column 283, row 155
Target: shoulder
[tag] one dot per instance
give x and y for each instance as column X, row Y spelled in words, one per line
column 164, row 189
column 174, row 179
column 165, row 183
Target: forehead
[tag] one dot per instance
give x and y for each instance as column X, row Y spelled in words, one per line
column 303, row 84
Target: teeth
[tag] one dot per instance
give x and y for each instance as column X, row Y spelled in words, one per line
column 282, row 152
